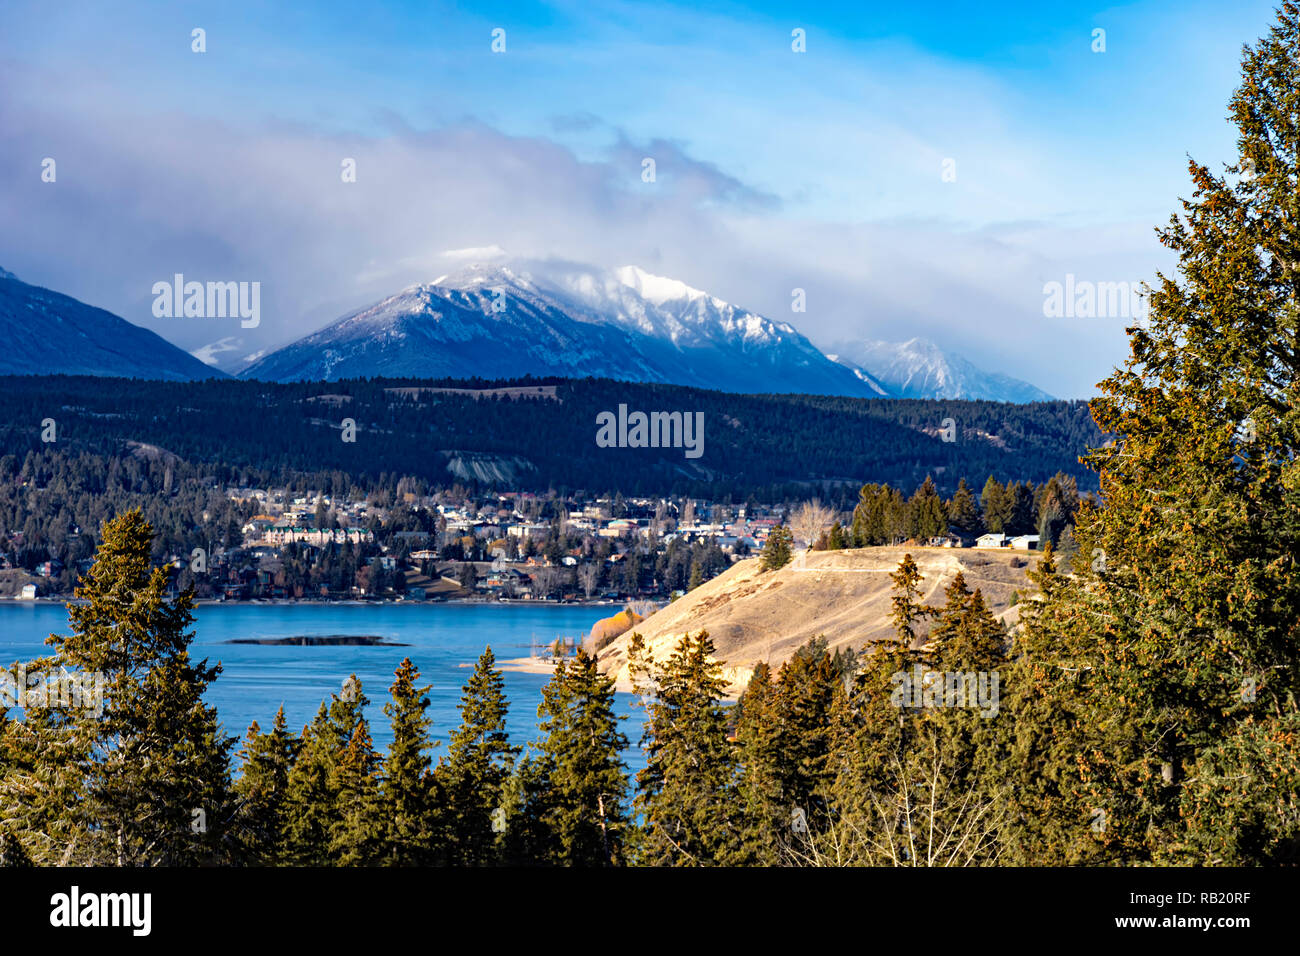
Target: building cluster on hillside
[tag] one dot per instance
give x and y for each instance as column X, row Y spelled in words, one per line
column 511, row 545
column 409, row 543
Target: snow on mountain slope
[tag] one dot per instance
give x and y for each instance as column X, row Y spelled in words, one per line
column 497, row 321
column 505, row 320
column 920, row 369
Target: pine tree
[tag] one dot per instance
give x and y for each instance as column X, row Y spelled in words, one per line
column 585, row 774
column 805, row 689
column 996, row 503
column 527, row 802
column 1194, row 605
column 478, row 764
column 963, row 510
column 406, row 788
column 1023, row 519
column 766, row 814
column 262, row 789
column 870, row 521
column 776, row 550
column 916, row 775
column 309, row 805
column 326, row 793
column 687, row 789
column 949, row 618
column 1050, row 688
column 146, row 780
column 927, row 517
column 835, row 540
column 357, row 836
column 906, row 602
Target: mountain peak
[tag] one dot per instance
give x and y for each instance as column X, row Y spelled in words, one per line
column 48, row 333
column 480, row 275
column 918, row 368
column 660, row 289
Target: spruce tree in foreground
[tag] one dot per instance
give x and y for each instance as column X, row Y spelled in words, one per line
column 766, row 811
column 478, row 764
column 686, row 793
column 1185, row 612
column 325, row 789
column 907, row 609
column 407, row 804
column 585, row 776
column 357, row 837
column 262, row 789
column 146, row 781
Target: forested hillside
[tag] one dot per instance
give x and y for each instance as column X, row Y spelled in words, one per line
column 769, row 446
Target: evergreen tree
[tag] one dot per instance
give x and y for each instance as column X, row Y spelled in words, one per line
column 1200, row 593
column 805, row 690
column 1024, row 519
column 963, row 511
column 686, row 791
column 1050, row 689
column 835, row 540
column 776, row 550
column 586, row 777
column 527, row 802
column 144, row 780
column 357, row 836
column 927, row 517
column 996, row 503
column 406, row 788
column 766, row 813
column 309, row 797
column 870, row 518
column 478, row 764
column 262, row 789
column 906, row 602
column 326, row 792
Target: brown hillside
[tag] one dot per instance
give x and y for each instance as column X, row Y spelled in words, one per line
column 843, row 595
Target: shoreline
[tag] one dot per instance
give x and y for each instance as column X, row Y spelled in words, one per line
column 351, row 602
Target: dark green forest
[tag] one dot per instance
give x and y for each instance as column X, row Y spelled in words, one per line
column 770, row 447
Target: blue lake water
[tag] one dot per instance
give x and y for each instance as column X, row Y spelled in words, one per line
column 443, row 638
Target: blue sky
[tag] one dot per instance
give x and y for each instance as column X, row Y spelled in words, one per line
column 775, row 169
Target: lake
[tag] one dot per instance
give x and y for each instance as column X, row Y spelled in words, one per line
column 257, row 679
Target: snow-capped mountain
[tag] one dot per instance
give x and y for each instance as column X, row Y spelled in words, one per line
column 47, row 333
column 501, row 321
column 920, row 369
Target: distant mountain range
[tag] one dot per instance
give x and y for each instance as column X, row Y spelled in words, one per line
column 920, row 369
column 505, row 321
column 494, row 321
column 47, row 333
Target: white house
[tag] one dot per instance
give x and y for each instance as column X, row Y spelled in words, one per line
column 28, row 592
column 991, row 541
column 1025, row 542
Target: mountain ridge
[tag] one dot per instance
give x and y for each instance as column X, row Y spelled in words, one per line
column 495, row 319
column 49, row 333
